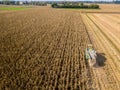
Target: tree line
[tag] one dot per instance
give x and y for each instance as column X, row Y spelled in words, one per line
column 75, row 5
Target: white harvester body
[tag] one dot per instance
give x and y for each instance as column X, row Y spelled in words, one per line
column 90, row 54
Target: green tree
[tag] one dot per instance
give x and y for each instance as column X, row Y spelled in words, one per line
column 54, row 5
column 82, row 4
column 6, row 2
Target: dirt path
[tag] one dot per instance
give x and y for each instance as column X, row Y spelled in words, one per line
column 106, row 77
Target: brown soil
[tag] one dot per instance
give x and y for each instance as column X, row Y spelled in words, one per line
column 43, row 49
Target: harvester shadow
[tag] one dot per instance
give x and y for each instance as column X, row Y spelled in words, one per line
column 100, row 60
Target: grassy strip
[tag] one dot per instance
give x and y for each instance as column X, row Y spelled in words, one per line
column 104, row 35
column 13, row 8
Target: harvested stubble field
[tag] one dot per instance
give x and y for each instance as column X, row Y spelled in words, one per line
column 104, row 29
column 43, row 49
column 104, row 8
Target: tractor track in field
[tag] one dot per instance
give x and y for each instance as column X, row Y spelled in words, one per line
column 107, row 77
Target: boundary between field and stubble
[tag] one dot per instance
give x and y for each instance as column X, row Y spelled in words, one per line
column 89, row 42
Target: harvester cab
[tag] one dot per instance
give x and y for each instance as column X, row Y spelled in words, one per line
column 90, row 53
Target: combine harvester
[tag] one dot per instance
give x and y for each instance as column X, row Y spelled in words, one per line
column 90, row 55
